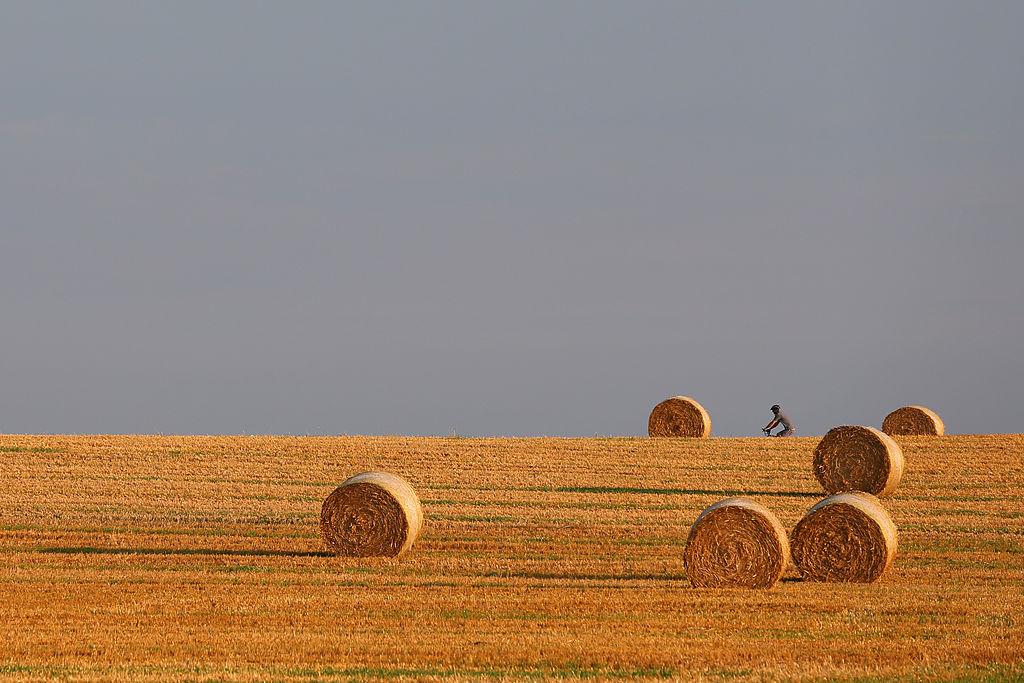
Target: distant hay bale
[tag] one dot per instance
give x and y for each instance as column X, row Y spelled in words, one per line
column 848, row 538
column 736, row 543
column 913, row 421
column 854, row 458
column 371, row 514
column 679, row 416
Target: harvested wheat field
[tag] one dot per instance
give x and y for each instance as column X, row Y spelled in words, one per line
column 151, row 558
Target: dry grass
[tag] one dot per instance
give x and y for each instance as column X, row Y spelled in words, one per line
column 194, row 557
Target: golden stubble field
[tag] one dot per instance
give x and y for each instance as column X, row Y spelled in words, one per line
column 149, row 557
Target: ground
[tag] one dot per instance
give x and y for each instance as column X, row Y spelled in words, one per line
column 151, row 557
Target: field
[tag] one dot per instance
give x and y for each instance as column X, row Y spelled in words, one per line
column 147, row 557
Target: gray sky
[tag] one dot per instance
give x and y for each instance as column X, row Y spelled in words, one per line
column 517, row 218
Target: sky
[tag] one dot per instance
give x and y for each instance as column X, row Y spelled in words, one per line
column 528, row 218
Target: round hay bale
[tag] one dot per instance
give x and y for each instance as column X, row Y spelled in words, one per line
column 913, row 421
column 854, row 458
column 736, row 543
column 679, row 416
column 848, row 538
column 371, row 514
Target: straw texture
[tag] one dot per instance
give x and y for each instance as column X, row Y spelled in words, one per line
column 679, row 416
column 854, row 458
column 371, row 514
column 736, row 543
column 913, row 421
column 848, row 537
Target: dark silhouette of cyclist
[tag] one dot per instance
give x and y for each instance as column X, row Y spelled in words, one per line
column 788, row 428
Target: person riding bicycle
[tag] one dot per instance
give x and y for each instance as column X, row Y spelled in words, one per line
column 788, row 429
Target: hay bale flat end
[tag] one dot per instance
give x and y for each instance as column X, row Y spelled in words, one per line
column 373, row 514
column 736, row 543
column 913, row 421
column 855, row 458
column 679, row 416
column 845, row 538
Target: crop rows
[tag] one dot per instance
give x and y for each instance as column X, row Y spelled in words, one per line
column 200, row 557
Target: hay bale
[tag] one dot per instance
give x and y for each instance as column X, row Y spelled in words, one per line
column 736, row 543
column 371, row 514
column 848, row 537
column 679, row 416
column 913, row 421
column 854, row 458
